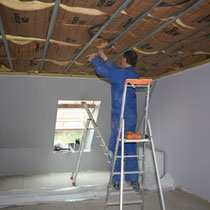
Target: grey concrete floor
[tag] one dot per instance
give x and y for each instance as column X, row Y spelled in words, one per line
column 175, row 200
column 52, row 180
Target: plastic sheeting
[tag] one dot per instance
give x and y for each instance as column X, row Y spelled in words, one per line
column 74, row 194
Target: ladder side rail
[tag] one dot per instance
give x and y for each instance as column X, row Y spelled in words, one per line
column 146, row 110
column 144, row 147
column 144, row 114
column 116, row 148
column 113, row 161
column 122, row 131
column 114, row 158
column 103, row 145
column 81, row 149
column 156, row 167
column 123, row 101
column 119, row 129
column 88, row 112
column 141, row 119
column 122, row 165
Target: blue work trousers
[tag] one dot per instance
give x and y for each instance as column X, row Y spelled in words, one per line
column 131, row 164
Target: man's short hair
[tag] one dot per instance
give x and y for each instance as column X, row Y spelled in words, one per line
column 131, row 57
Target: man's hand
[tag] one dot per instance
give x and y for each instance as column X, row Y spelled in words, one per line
column 102, row 54
column 91, row 56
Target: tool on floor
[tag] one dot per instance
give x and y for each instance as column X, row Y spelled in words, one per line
column 141, row 140
column 90, row 121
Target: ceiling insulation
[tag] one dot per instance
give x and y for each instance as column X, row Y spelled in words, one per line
column 182, row 43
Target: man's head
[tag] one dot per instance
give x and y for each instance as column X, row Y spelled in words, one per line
column 129, row 59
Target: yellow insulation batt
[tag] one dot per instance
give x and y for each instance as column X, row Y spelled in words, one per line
column 26, row 24
column 107, row 6
column 32, row 48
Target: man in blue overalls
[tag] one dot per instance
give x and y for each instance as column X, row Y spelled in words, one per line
column 117, row 76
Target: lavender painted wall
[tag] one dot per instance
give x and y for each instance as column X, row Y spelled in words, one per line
column 28, row 110
column 28, row 114
column 180, row 117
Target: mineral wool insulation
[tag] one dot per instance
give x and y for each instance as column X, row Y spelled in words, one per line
column 26, row 25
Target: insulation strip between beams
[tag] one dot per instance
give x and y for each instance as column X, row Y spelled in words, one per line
column 161, row 27
column 50, row 30
column 138, row 19
column 182, row 56
column 171, row 53
column 176, row 42
column 97, row 34
column 6, row 44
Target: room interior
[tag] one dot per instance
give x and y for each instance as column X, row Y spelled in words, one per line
column 43, row 59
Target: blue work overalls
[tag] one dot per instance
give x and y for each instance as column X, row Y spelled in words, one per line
column 117, row 77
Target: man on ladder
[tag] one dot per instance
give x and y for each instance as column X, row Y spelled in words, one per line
column 117, row 77
column 122, row 145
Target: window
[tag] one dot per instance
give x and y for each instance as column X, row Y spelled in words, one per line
column 70, row 125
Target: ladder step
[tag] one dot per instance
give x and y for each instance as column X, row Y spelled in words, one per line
column 116, row 203
column 129, row 172
column 127, row 156
column 136, row 140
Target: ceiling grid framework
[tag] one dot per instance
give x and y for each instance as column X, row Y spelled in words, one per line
column 168, row 36
column 177, row 49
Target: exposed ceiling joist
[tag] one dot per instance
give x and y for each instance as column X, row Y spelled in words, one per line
column 178, row 49
column 161, row 33
column 97, row 34
column 161, row 27
column 6, row 44
column 50, row 30
column 168, row 73
column 138, row 19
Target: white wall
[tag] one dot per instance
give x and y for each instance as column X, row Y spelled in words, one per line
column 180, row 115
column 28, row 110
column 179, row 112
column 27, row 121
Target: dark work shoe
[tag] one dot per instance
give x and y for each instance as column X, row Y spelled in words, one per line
column 136, row 186
column 115, row 186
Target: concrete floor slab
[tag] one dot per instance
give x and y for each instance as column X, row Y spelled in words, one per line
column 175, row 200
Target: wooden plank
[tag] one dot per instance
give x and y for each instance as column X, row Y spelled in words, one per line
column 71, row 106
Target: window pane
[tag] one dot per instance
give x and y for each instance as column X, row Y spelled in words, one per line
column 70, row 123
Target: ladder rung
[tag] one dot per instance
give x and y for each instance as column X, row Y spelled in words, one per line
column 129, row 172
column 136, row 140
column 100, row 137
column 128, row 156
column 116, row 203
